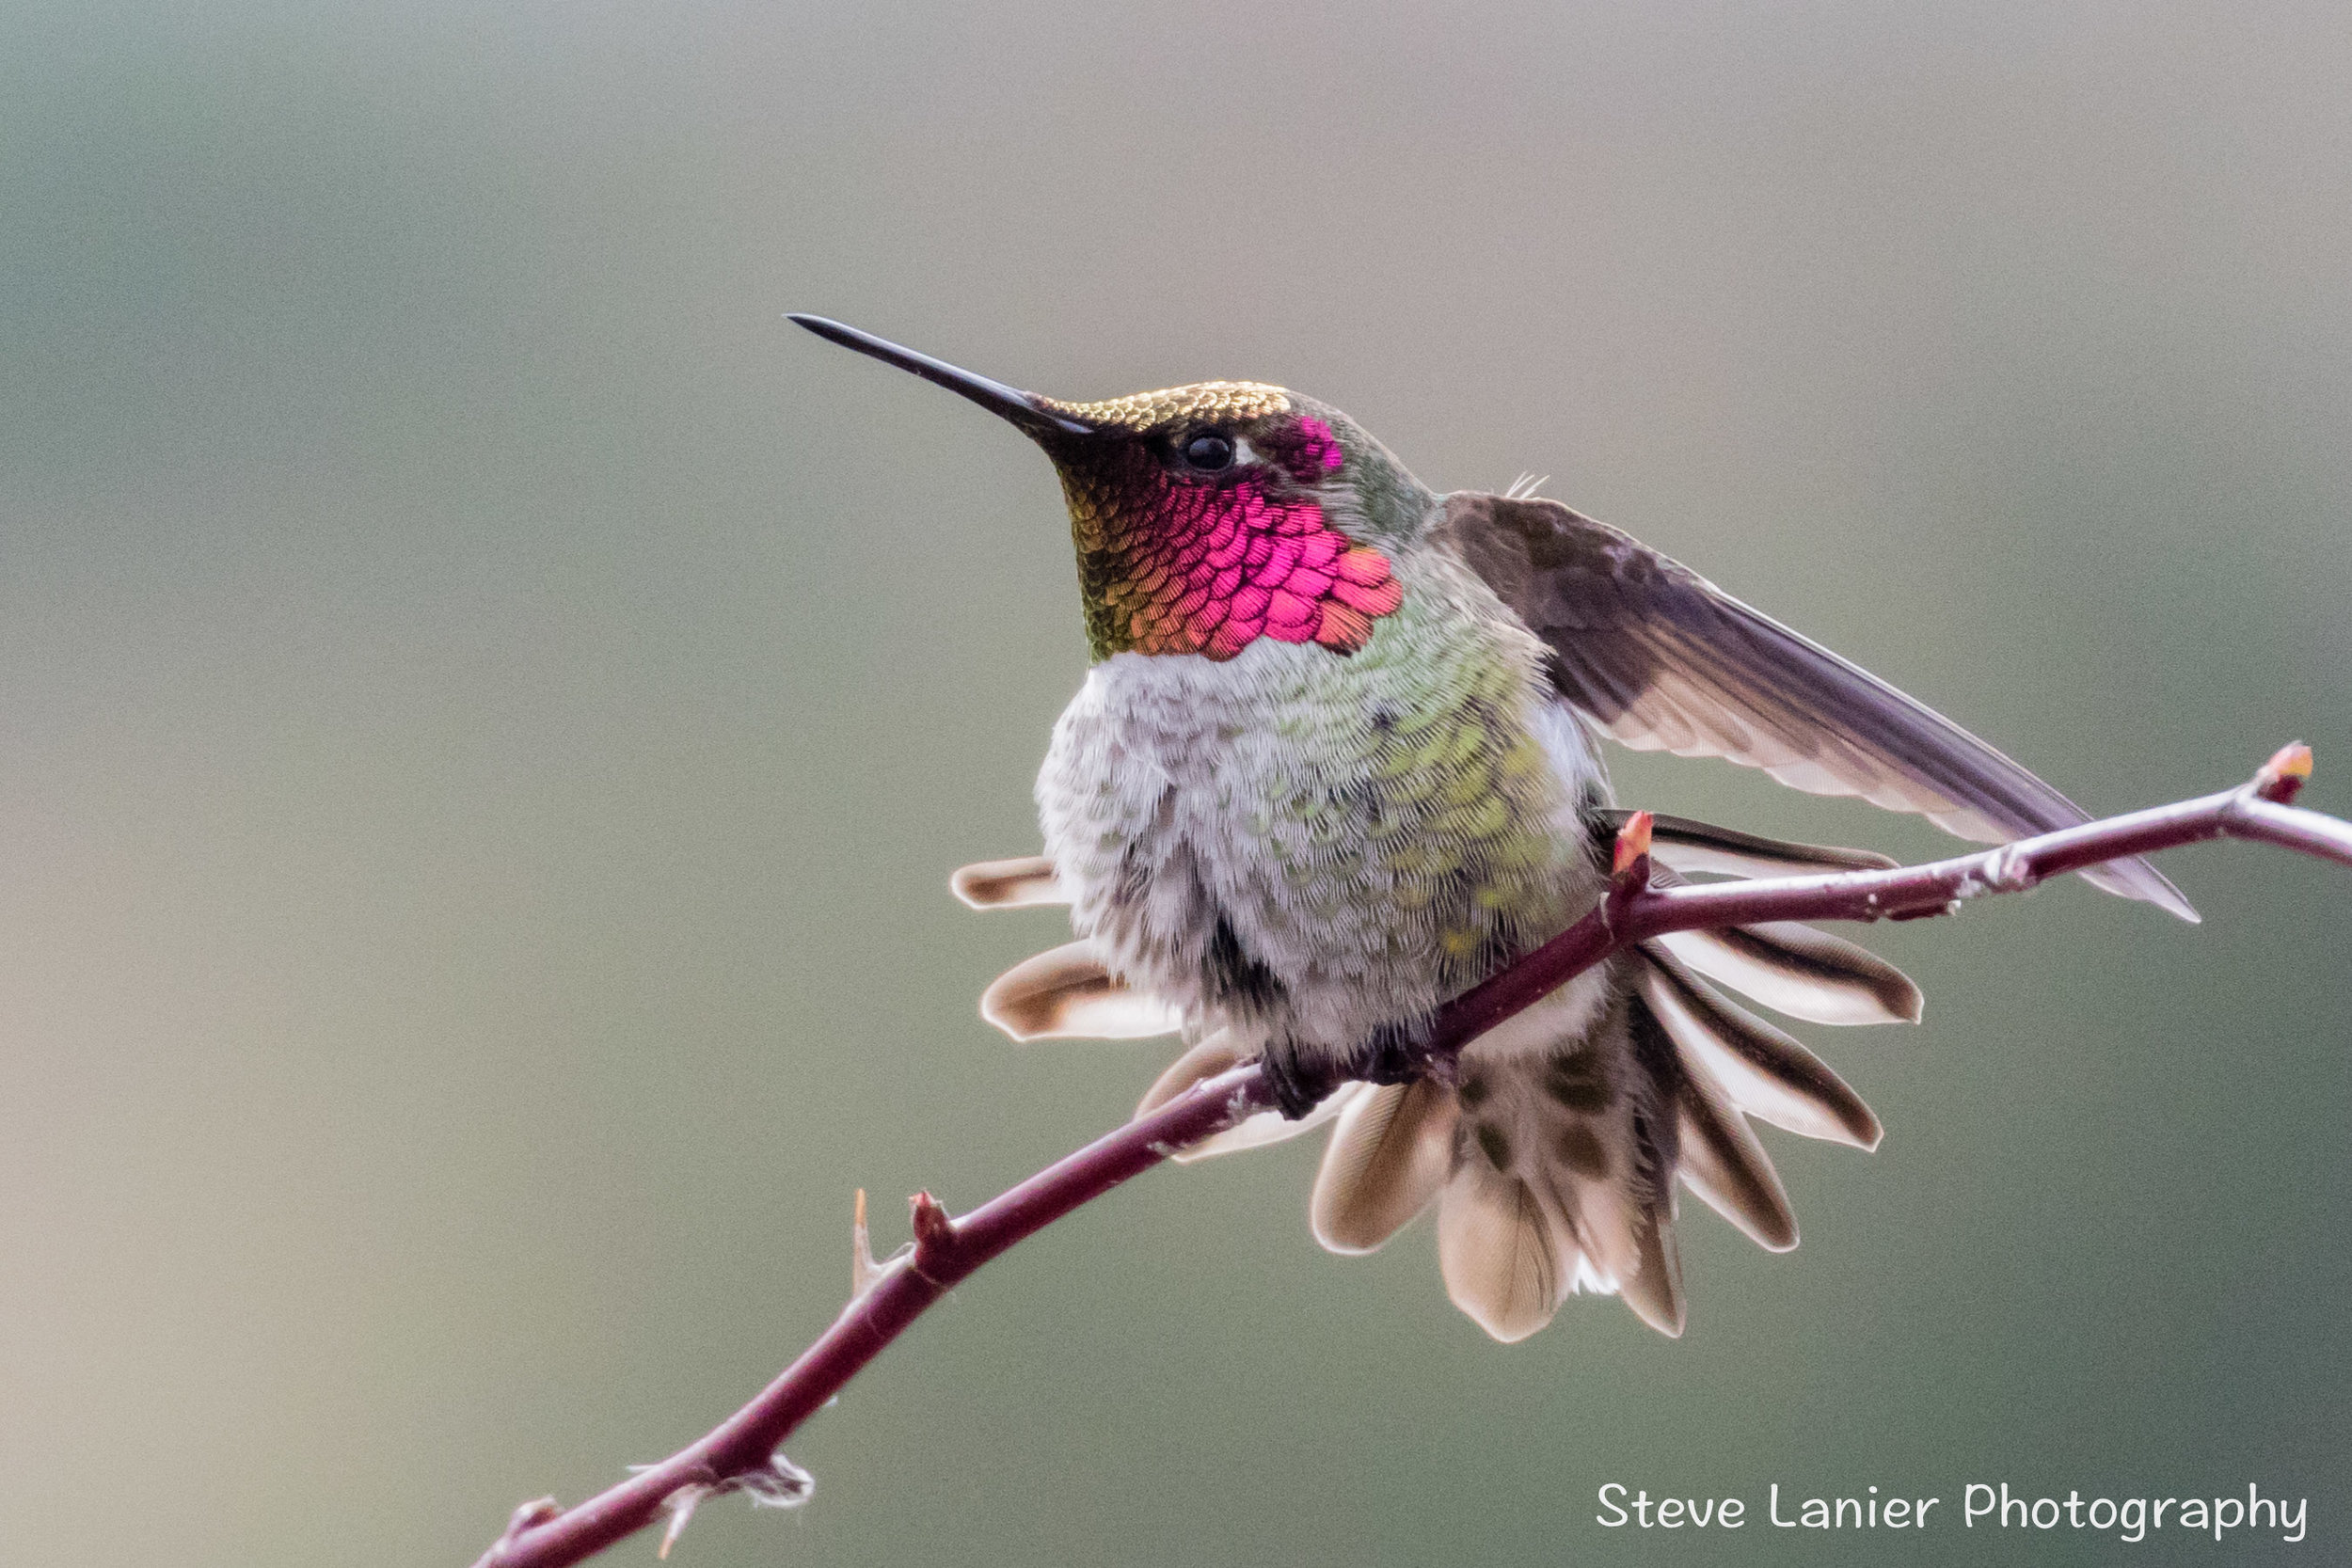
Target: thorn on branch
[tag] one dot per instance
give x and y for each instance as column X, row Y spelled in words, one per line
column 863, row 1270
column 866, row 1270
column 680, row 1506
column 2283, row 776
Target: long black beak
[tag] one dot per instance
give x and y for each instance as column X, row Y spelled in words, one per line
column 1026, row 409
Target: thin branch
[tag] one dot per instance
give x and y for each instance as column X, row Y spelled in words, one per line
column 741, row 1454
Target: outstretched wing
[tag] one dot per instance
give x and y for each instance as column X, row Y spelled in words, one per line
column 1663, row 661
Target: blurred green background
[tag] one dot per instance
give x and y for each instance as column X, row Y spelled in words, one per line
column 489, row 711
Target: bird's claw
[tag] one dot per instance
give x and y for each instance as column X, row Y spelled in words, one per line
column 1297, row 1088
column 1391, row 1056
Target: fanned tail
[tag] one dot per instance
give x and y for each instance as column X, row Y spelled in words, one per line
column 1552, row 1158
column 1551, row 1169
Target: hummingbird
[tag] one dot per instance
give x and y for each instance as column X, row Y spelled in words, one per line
column 1337, row 759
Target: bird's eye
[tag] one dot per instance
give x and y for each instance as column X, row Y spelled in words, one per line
column 1209, row 451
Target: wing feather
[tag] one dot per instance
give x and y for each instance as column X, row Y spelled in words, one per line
column 1661, row 659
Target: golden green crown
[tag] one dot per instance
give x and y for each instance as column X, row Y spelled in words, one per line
column 1208, row 400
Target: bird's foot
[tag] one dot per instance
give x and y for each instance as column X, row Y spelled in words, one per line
column 1297, row 1088
column 1392, row 1055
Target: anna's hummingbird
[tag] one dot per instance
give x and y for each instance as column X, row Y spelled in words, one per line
column 1336, row 761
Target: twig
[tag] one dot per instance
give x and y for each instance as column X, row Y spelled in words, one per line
column 742, row 1455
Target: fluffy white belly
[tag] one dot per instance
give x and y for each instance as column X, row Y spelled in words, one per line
column 1308, row 849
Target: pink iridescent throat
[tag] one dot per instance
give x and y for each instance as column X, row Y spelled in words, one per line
column 1177, row 568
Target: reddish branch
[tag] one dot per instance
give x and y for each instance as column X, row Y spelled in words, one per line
column 741, row 1454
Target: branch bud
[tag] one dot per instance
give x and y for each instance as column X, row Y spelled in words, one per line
column 1633, row 847
column 528, row 1516
column 934, row 1231
column 2282, row 777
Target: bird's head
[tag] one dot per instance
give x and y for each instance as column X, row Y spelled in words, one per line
column 1209, row 517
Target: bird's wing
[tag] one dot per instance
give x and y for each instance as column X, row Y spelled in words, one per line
column 1661, row 659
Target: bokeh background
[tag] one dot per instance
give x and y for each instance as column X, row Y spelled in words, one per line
column 489, row 711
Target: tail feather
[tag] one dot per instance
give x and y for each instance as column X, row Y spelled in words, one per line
column 1501, row 1255
column 1793, row 969
column 1562, row 1158
column 1014, row 885
column 1788, row 966
column 1764, row 1072
column 1067, row 993
column 1270, row 1127
column 1385, row 1163
column 1655, row 1290
column 1720, row 1156
column 1604, row 1216
column 1203, row 1062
